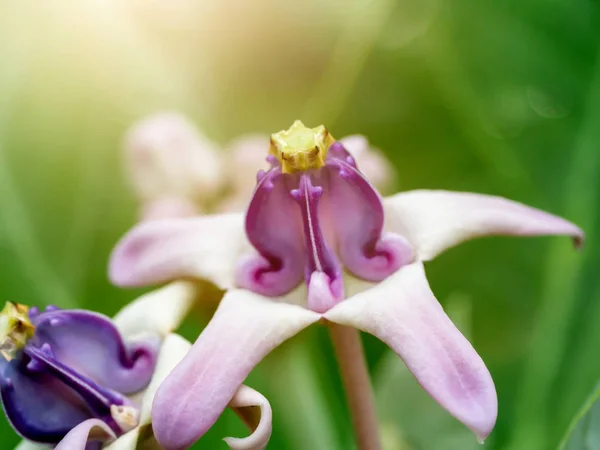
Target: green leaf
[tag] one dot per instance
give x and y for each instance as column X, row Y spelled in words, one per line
column 584, row 432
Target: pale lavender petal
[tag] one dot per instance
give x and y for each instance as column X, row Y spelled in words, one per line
column 164, row 250
column 274, row 228
column 246, row 156
column 433, row 221
column 168, row 157
column 173, row 350
column 158, row 312
column 245, row 328
column 91, row 430
column 403, row 313
column 169, row 208
column 256, row 412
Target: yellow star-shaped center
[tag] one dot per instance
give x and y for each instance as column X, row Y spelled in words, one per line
column 300, row 148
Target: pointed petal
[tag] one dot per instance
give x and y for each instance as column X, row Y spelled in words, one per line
column 158, row 312
column 403, row 313
column 164, row 250
column 436, row 220
column 173, row 350
column 92, row 430
column 256, row 411
column 245, row 328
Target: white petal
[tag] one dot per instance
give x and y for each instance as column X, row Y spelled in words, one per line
column 246, row 401
column 245, row 328
column 436, row 220
column 158, row 251
column 160, row 311
column 126, row 442
column 403, row 313
column 77, row 438
column 168, row 157
column 173, row 349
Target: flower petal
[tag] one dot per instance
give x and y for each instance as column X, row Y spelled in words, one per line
column 274, row 227
column 23, row 396
column 403, row 313
column 256, row 411
column 90, row 344
column 173, row 350
column 436, row 220
column 92, row 430
column 244, row 329
column 164, row 250
column 158, row 312
column 168, row 157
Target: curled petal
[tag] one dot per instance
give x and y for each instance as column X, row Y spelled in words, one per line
column 92, row 430
column 244, row 329
column 164, row 250
column 433, row 221
column 403, row 313
column 273, row 227
column 22, row 396
column 255, row 411
column 90, row 344
column 158, row 312
column 356, row 212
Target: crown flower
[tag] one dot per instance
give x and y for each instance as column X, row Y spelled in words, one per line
column 319, row 244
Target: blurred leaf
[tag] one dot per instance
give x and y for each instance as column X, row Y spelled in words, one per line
column 584, row 432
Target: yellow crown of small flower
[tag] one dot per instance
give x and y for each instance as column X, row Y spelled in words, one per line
column 15, row 329
column 300, row 148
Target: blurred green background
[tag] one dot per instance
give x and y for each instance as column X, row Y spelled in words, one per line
column 493, row 96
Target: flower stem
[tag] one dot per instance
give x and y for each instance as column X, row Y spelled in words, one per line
column 357, row 383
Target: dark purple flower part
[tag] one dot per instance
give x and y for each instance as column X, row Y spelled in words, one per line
column 60, row 368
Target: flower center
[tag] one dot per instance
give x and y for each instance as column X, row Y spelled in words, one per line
column 300, row 148
column 15, row 329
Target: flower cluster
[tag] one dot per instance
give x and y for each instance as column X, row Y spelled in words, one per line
column 316, row 244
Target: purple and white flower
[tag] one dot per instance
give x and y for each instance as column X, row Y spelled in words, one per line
column 75, row 379
column 318, row 243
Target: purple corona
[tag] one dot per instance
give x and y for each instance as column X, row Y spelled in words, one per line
column 60, row 368
column 313, row 214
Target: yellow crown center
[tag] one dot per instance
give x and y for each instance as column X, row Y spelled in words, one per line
column 15, row 329
column 300, row 148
